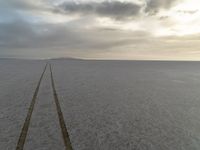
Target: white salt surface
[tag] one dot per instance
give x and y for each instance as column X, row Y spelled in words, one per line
column 18, row 79
column 122, row 105
column 107, row 105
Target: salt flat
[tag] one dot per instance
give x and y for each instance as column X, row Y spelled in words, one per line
column 107, row 105
column 18, row 79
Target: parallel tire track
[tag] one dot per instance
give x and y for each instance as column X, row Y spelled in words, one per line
column 23, row 134
column 65, row 134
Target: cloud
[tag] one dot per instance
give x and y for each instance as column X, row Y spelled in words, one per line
column 153, row 6
column 55, row 40
column 187, row 11
column 127, row 27
column 163, row 17
column 21, row 34
column 117, row 10
column 112, row 9
column 36, row 38
column 27, row 9
column 27, row 5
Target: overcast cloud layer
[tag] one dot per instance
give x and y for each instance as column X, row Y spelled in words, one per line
column 129, row 29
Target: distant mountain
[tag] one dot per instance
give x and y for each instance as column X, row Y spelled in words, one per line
column 65, row 58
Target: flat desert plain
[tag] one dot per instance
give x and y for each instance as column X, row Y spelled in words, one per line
column 106, row 105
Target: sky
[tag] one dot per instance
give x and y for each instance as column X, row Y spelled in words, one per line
column 100, row 29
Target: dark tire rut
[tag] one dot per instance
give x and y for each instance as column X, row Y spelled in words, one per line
column 24, row 131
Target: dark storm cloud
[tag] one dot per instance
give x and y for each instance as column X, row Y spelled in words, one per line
column 112, row 9
column 115, row 9
column 153, row 6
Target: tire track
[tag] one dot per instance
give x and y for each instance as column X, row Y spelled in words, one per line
column 23, row 134
column 65, row 134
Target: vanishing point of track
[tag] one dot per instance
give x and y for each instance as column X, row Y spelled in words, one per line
column 24, row 130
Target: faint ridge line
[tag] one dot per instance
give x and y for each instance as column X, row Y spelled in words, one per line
column 24, row 130
column 65, row 134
